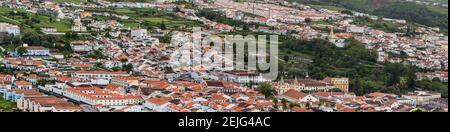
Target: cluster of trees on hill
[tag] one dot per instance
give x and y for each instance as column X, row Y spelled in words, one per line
column 359, row 64
column 414, row 12
column 59, row 43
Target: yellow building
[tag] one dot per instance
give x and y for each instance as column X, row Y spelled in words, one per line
column 341, row 83
column 85, row 14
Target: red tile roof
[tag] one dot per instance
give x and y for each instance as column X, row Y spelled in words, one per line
column 158, row 101
column 22, row 83
column 294, row 94
column 298, row 109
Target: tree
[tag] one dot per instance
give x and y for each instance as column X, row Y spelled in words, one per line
column 358, row 51
column 411, row 77
column 108, row 35
column 308, row 20
column 32, row 38
column 245, row 27
column 162, row 26
column 21, row 50
column 128, row 67
column 99, row 65
column 319, row 75
column 434, row 86
column 357, row 86
column 123, row 60
column 67, row 54
column 115, row 68
column 418, row 110
column 284, row 102
column 286, row 58
column 322, row 102
column 275, row 103
column 292, row 105
column 166, row 39
column 71, row 35
column 394, row 71
column 96, row 54
column 275, row 100
column 335, row 90
column 67, row 47
column 42, row 82
column 266, row 89
column 436, row 79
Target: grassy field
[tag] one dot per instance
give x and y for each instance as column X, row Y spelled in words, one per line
column 131, row 24
column 153, row 17
column 63, row 25
column 7, row 106
column 171, row 21
column 5, row 18
column 124, row 11
column 8, row 20
column 39, row 20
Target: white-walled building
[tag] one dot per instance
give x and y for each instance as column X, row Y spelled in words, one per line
column 422, row 97
column 99, row 74
column 37, row 51
column 97, row 96
column 139, row 34
column 81, row 47
column 243, row 77
column 10, row 29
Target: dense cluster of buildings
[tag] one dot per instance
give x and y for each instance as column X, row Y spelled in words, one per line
column 312, row 85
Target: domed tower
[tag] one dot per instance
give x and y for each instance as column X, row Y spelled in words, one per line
column 332, row 36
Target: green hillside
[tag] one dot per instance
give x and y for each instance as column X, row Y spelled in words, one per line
column 422, row 14
column 413, row 12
